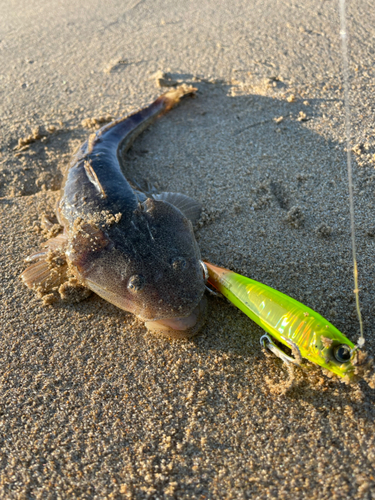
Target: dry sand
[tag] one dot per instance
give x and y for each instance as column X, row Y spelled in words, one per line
column 92, row 405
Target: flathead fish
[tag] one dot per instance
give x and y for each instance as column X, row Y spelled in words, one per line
column 134, row 249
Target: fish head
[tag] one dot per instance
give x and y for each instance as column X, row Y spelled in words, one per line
column 149, row 264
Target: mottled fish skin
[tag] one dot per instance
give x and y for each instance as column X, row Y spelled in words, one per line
column 137, row 252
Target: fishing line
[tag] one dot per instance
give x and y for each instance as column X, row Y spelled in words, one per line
column 344, row 51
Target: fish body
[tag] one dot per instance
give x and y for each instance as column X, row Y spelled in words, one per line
column 288, row 321
column 134, row 250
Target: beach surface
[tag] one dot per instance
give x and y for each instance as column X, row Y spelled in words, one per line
column 92, row 405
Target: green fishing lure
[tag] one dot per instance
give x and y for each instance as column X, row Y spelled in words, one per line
column 295, row 325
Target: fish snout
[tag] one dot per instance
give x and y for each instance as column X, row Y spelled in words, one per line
column 181, row 327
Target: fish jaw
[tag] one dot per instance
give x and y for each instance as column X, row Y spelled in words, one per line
column 174, row 327
column 181, row 328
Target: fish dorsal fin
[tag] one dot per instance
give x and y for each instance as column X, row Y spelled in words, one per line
column 93, row 178
column 189, row 207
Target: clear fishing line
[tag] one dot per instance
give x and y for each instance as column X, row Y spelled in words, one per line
column 344, row 51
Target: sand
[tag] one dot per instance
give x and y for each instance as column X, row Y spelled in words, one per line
column 91, row 404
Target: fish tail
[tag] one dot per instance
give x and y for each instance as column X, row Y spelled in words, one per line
column 122, row 132
column 173, row 96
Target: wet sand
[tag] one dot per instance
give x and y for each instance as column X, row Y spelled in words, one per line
column 94, row 406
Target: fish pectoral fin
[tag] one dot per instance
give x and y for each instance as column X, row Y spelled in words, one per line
column 49, row 267
column 188, row 206
column 44, row 277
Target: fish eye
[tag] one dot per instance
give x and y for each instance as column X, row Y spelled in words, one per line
column 178, row 263
column 136, row 283
column 342, row 353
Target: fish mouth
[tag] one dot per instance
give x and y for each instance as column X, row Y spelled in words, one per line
column 181, row 328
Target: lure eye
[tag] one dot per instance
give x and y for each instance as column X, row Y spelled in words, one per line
column 178, row 263
column 342, row 353
column 136, row 283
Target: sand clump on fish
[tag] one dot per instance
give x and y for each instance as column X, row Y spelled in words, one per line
column 134, row 249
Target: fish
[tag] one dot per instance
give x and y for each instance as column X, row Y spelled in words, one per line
column 134, row 249
column 298, row 327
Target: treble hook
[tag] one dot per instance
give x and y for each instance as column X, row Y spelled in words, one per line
column 267, row 343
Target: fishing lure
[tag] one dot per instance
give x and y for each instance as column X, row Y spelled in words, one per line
column 295, row 325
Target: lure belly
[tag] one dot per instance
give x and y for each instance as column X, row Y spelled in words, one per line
column 287, row 320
